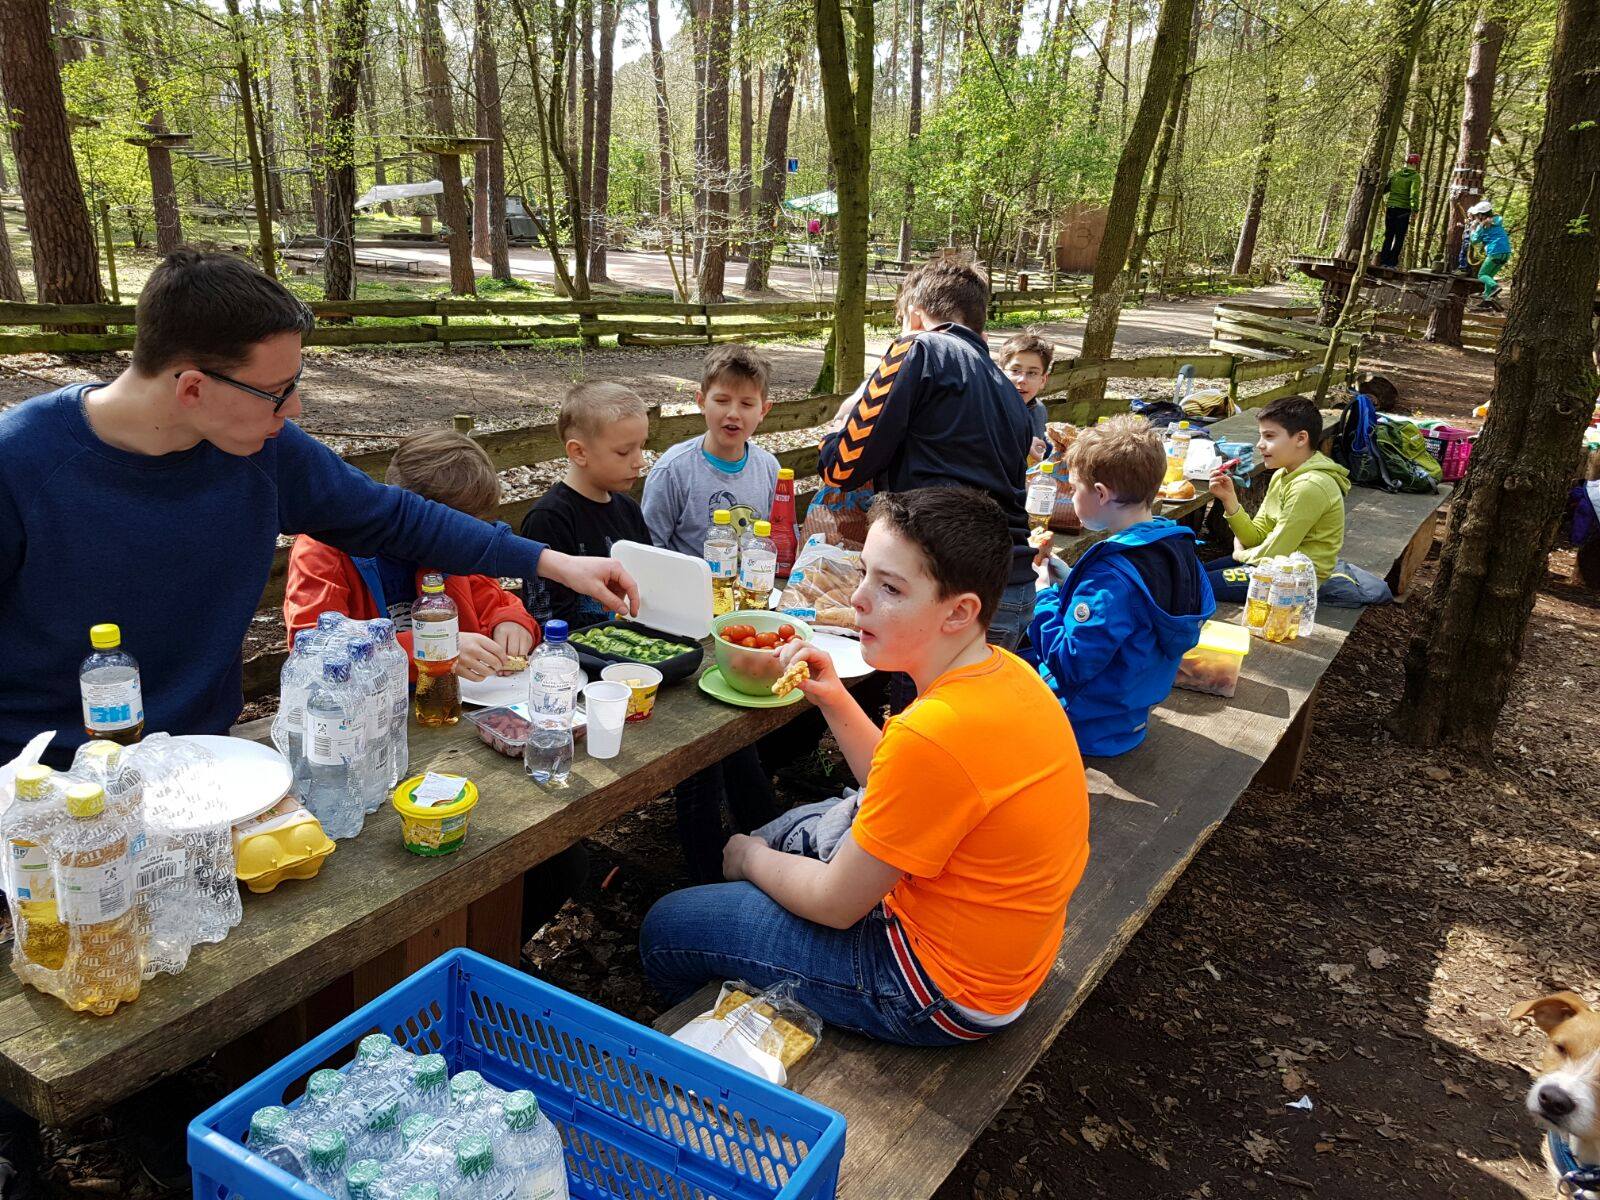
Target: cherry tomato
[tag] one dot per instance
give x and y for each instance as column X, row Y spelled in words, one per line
column 767, row 641
column 749, row 642
column 734, row 633
column 785, row 632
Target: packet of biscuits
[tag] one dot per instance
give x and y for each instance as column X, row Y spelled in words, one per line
column 820, row 585
column 763, row 1032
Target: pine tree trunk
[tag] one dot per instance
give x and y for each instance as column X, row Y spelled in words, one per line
column 1104, row 71
column 267, row 246
column 847, row 113
column 714, row 255
column 658, row 68
column 10, row 283
column 1460, row 666
column 346, row 45
column 586, row 133
column 1244, row 255
column 488, row 55
column 1408, row 21
column 1152, row 196
column 1167, row 59
column 600, row 194
column 774, row 167
column 1466, row 183
column 453, row 200
column 163, row 186
column 913, row 130
column 380, row 174
column 747, row 120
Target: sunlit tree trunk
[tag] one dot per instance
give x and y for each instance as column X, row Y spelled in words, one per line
column 847, row 113
column 346, row 44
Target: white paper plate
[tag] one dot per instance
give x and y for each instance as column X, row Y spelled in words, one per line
column 250, row 776
column 501, row 689
column 845, row 652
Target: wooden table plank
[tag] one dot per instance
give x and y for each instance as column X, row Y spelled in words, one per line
column 369, row 899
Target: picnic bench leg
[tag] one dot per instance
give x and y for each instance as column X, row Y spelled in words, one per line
column 1282, row 767
column 491, row 925
column 1415, row 554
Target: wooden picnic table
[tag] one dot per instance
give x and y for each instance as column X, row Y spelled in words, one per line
column 373, row 915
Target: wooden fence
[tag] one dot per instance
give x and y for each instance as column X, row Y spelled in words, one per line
column 499, row 322
column 1251, row 343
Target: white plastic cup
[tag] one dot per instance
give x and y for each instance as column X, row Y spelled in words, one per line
column 606, row 704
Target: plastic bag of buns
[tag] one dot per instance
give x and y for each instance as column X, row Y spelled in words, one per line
column 819, row 587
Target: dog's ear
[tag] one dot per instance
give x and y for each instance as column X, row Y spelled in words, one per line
column 1549, row 1011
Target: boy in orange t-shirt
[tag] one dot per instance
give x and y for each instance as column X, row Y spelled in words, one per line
column 940, row 913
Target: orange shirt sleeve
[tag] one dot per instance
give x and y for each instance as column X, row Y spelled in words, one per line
column 317, row 582
column 918, row 804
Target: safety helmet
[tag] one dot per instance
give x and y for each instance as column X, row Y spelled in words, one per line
column 1481, row 209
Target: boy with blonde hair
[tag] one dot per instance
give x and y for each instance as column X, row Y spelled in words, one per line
column 1109, row 638
column 451, row 469
column 604, row 427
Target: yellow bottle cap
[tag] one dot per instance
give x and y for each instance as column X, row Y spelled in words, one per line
column 433, row 584
column 763, row 528
column 85, row 800
column 33, row 782
column 101, row 749
column 722, row 517
column 785, row 472
column 1048, row 468
column 105, row 637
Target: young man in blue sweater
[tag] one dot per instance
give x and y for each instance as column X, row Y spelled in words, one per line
column 1108, row 640
column 155, row 501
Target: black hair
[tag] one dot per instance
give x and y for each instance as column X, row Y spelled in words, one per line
column 962, row 534
column 1296, row 414
column 209, row 309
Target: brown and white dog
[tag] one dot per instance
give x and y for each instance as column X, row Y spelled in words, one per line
column 1565, row 1098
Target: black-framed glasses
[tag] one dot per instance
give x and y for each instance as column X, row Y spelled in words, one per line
column 276, row 399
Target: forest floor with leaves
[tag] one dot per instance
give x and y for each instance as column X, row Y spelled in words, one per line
column 1351, row 946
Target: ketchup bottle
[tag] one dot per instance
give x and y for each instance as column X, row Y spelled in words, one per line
column 784, row 538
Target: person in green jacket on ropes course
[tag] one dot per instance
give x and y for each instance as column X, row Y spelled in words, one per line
column 1489, row 234
column 1405, row 197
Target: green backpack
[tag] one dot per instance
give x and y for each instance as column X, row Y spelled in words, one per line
column 1401, row 457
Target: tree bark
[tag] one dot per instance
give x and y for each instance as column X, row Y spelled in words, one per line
column 1104, row 71
column 318, row 136
column 714, row 255
column 586, row 131
column 773, row 171
column 453, row 200
column 346, row 45
column 1152, row 196
column 600, row 184
column 913, row 130
column 658, row 68
column 10, row 283
column 1244, row 255
column 847, row 114
column 163, row 187
column 489, row 100
column 258, row 168
column 1167, row 58
column 1466, row 182
column 1459, row 667
column 1409, row 19
column 380, row 171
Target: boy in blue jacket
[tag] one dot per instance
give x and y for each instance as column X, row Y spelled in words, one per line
column 1109, row 638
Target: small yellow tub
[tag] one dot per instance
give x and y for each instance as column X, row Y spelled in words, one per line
column 435, row 825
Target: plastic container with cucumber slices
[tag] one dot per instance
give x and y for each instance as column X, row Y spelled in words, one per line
column 285, row 842
column 674, row 606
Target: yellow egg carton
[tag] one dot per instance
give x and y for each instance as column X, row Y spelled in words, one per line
column 285, row 842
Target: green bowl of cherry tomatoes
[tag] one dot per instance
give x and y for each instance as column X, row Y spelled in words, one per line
column 746, row 644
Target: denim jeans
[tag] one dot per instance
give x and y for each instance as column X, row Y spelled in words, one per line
column 852, row 978
column 1007, row 628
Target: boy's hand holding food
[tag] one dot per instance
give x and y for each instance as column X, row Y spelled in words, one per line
column 1221, row 486
column 514, row 640
column 479, row 657
column 824, row 687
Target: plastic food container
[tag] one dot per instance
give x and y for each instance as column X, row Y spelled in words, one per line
column 747, row 670
column 643, row 682
column 674, row 605
column 437, row 828
column 678, row 667
column 504, row 728
column 1214, row 664
column 285, row 842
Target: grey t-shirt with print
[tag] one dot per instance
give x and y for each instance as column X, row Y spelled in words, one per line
column 682, row 491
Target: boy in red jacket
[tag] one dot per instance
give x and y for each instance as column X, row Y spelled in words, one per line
column 453, row 469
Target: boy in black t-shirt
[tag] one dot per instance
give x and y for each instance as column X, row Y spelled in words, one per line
column 604, row 426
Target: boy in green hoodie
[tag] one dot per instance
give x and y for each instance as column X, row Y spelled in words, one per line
column 1404, row 198
column 1304, row 508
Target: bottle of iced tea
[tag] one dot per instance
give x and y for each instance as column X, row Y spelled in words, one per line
column 435, row 644
column 113, row 703
column 41, row 938
column 94, row 894
column 722, row 556
column 758, row 567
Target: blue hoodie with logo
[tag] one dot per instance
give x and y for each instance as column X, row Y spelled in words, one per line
column 1108, row 640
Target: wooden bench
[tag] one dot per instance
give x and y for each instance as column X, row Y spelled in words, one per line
column 913, row 1113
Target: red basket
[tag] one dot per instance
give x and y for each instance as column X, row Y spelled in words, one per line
column 1452, row 447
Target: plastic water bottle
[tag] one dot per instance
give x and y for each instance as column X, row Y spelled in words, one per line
column 361, row 1178
column 553, row 679
column 530, row 1150
column 333, row 737
column 1257, row 599
column 721, row 553
column 1041, row 496
column 28, row 829
column 1308, row 592
column 326, row 1154
column 300, row 670
column 371, row 685
column 113, row 702
column 269, row 1137
column 397, row 673
column 429, row 1090
column 758, row 567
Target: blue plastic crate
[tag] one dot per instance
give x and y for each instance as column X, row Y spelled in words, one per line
column 642, row 1117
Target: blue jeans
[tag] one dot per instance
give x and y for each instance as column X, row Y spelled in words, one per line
column 852, row 978
column 1234, row 590
column 1007, row 627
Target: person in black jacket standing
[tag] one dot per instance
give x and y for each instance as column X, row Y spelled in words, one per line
column 937, row 412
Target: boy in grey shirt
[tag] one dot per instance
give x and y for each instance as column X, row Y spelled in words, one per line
column 721, row 468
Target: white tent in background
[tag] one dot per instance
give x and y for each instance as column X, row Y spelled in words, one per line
column 403, row 191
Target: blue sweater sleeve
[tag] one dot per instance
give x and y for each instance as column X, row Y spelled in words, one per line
column 1078, row 627
column 321, row 494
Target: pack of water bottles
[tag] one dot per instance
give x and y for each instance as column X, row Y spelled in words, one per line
column 342, row 719
column 396, row 1126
